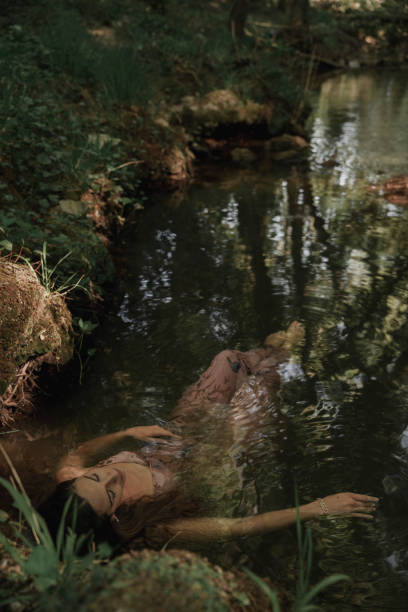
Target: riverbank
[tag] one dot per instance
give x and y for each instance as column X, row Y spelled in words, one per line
column 101, row 105
column 78, row 230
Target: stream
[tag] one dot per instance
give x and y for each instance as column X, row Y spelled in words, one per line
column 243, row 253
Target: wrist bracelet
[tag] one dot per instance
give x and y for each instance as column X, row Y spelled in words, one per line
column 323, row 507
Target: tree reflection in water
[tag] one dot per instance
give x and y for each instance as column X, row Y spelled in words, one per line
column 244, row 254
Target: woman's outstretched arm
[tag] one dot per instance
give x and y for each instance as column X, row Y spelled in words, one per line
column 73, row 464
column 207, row 529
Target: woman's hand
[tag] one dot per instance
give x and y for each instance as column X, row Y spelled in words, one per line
column 348, row 504
column 148, row 431
column 73, row 464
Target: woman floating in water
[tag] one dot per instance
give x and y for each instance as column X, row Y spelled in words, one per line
column 144, row 494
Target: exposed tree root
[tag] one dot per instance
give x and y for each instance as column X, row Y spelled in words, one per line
column 18, row 399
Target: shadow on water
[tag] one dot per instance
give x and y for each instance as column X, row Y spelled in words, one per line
column 244, row 253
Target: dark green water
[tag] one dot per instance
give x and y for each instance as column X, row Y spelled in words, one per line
column 243, row 253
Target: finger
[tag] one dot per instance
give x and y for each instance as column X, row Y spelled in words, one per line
column 156, row 440
column 167, row 435
column 364, row 498
column 160, row 431
column 159, row 440
column 361, row 515
column 366, row 509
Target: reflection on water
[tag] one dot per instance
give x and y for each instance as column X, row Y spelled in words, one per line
column 360, row 124
column 243, row 254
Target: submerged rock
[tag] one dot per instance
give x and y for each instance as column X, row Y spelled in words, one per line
column 35, row 327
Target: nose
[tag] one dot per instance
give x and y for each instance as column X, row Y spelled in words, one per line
column 111, row 477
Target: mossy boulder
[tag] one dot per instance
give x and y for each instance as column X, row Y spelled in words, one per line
column 221, row 107
column 174, row 580
column 165, row 581
column 33, row 322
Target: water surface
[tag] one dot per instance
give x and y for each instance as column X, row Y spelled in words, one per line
column 243, row 253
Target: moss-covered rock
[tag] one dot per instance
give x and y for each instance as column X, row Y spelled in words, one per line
column 176, row 580
column 224, row 107
column 33, row 322
column 165, row 581
column 221, row 107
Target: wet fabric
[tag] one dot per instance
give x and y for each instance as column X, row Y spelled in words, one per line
column 162, row 477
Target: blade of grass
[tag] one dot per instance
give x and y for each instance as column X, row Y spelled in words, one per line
column 34, row 520
column 320, row 586
column 61, row 527
column 266, row 589
column 20, row 484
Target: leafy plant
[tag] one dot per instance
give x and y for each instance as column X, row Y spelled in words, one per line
column 52, row 568
column 53, row 577
column 85, row 328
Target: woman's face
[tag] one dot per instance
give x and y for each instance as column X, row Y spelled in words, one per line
column 102, row 487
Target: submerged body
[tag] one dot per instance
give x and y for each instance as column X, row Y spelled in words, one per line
column 145, row 491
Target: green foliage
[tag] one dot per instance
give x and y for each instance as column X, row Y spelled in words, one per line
column 69, row 45
column 60, row 85
column 88, row 261
column 46, row 273
column 325, row 29
column 41, row 138
column 85, row 329
column 102, row 12
column 53, row 576
column 50, row 572
column 124, row 75
column 47, row 156
column 385, row 20
column 157, row 53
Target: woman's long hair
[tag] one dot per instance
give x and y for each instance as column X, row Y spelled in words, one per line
column 80, row 516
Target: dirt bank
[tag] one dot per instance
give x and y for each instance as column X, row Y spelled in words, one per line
column 35, row 329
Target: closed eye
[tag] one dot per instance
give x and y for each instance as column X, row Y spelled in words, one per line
column 94, row 477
